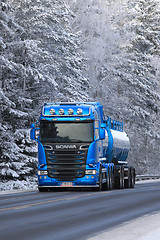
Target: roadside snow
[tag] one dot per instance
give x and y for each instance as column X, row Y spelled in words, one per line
column 143, row 228
column 19, row 191
column 9, row 186
column 147, row 181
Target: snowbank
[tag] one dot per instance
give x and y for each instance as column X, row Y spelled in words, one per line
column 143, row 228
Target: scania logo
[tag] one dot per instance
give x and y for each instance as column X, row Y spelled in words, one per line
column 66, row 147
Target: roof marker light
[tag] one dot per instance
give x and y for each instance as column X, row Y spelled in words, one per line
column 52, row 111
column 79, row 111
column 61, row 111
column 70, row 111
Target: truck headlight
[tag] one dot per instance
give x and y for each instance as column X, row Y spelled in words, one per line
column 90, row 172
column 42, row 172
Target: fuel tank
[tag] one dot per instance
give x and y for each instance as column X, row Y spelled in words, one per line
column 116, row 145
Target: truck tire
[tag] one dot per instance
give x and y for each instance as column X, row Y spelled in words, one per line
column 119, row 177
column 100, row 178
column 127, row 182
column 132, row 180
column 122, row 178
column 108, row 180
column 106, row 185
column 116, row 178
column 111, row 180
column 119, row 180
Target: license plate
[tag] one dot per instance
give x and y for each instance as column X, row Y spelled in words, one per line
column 66, row 184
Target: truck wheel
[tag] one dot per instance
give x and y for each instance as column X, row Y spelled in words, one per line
column 127, row 182
column 100, row 179
column 116, row 178
column 108, row 181
column 119, row 177
column 134, row 172
column 105, row 186
column 111, row 180
column 121, row 180
column 132, row 180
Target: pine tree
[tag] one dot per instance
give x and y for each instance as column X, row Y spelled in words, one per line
column 139, row 82
column 40, row 61
column 17, row 159
column 121, row 41
column 141, row 72
column 56, row 48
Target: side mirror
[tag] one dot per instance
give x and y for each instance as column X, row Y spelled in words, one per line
column 102, row 134
column 34, row 133
column 32, row 126
column 103, row 125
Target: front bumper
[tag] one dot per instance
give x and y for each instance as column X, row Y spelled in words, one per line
column 86, row 181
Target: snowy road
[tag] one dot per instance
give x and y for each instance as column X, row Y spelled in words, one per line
column 74, row 214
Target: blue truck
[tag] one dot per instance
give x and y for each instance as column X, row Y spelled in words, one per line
column 79, row 148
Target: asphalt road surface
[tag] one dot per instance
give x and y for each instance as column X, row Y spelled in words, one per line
column 73, row 215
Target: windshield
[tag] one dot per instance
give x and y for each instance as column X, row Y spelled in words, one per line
column 66, row 132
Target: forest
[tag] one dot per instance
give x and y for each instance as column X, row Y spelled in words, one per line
column 61, row 50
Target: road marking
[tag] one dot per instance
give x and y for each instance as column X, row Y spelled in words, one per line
column 49, row 201
column 60, row 199
column 21, row 207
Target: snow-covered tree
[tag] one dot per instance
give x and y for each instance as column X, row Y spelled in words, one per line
column 16, row 155
column 121, row 40
column 141, row 73
column 52, row 48
column 40, row 62
column 41, row 53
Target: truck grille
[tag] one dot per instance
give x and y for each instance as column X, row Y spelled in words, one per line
column 66, row 164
